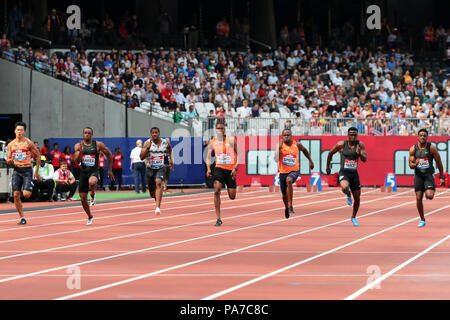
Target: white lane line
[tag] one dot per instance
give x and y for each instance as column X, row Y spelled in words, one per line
column 153, row 231
column 152, row 203
column 390, row 273
column 147, row 220
column 247, row 283
column 184, row 241
column 229, row 252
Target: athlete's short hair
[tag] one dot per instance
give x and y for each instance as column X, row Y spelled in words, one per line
column 423, row 130
column 352, row 129
column 22, row 124
column 155, row 128
column 286, row 129
column 92, row 130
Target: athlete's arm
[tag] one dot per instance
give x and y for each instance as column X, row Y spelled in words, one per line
column 78, row 152
column 437, row 157
column 361, row 150
column 102, row 148
column 144, row 151
column 276, row 157
column 9, row 157
column 336, row 148
column 306, row 153
column 412, row 158
column 169, row 151
column 208, row 160
column 36, row 152
column 236, row 152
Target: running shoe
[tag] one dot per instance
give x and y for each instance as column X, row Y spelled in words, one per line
column 92, row 202
column 349, row 199
column 291, row 210
column 422, row 224
column 157, row 211
column 22, row 221
column 355, row 222
column 218, row 223
column 286, row 213
column 89, row 222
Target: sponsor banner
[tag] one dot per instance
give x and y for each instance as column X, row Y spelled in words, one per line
column 386, row 154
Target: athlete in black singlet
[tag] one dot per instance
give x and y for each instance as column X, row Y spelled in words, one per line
column 421, row 157
column 87, row 152
column 351, row 151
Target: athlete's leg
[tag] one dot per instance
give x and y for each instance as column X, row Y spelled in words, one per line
column 84, row 203
column 430, row 194
column 345, row 187
column 231, row 193
column 356, row 202
column 419, row 204
column 217, row 190
column 158, row 192
column 93, row 180
column 18, row 203
column 289, row 192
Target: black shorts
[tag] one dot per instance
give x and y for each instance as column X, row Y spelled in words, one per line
column 84, row 180
column 224, row 177
column 152, row 175
column 284, row 176
column 22, row 179
column 352, row 177
column 168, row 171
column 423, row 182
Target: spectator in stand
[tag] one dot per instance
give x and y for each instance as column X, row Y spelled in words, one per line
column 117, row 169
column 177, row 116
column 16, row 22
column 191, row 115
column 54, row 26
column 43, row 190
column 56, row 156
column 65, row 183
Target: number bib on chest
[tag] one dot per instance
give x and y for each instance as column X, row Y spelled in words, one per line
column 423, row 163
column 289, row 160
column 156, row 161
column 223, row 159
column 20, row 155
column 88, row 160
column 351, row 164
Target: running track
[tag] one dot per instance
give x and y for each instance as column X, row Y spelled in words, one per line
column 257, row 254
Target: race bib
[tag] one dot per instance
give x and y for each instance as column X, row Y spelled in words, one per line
column 423, row 163
column 156, row 161
column 351, row 164
column 223, row 159
column 20, row 155
column 289, row 160
column 88, row 160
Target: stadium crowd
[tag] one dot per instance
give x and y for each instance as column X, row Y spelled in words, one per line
column 296, row 80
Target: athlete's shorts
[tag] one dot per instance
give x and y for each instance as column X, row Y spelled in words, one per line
column 283, row 178
column 224, row 177
column 351, row 177
column 168, row 171
column 424, row 181
column 22, row 179
column 152, row 175
column 83, row 187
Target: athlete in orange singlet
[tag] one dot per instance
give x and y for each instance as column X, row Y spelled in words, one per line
column 19, row 155
column 226, row 152
column 287, row 156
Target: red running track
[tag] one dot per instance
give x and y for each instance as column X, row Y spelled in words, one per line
column 128, row 253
